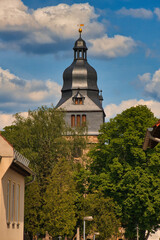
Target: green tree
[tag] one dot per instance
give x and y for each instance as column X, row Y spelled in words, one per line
column 41, row 137
column 31, row 208
column 59, row 210
column 124, row 172
column 103, row 211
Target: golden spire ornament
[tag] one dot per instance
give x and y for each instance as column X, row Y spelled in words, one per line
column 80, row 29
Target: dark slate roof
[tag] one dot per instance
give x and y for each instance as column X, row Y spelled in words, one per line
column 61, row 101
column 80, row 75
column 80, row 44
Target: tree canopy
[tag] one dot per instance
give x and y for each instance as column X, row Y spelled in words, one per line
column 124, row 172
column 121, row 183
column 59, row 211
column 41, row 137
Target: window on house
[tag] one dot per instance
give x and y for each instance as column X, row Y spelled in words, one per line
column 8, row 201
column 78, row 120
column 83, row 119
column 18, row 203
column 73, row 121
column 13, row 202
column 78, row 101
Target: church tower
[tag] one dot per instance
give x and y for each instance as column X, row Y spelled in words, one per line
column 81, row 98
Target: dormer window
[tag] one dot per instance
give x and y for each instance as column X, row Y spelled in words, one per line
column 78, row 99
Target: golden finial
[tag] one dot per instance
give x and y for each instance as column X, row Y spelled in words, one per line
column 80, row 29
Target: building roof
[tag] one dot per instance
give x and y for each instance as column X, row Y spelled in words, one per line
column 80, row 44
column 152, row 136
column 80, row 77
column 89, row 105
column 21, row 164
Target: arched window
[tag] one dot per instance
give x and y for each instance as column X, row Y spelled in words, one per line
column 80, row 54
column 73, row 121
column 78, row 120
column 83, row 118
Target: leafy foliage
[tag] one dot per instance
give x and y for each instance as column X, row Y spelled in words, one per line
column 32, row 208
column 59, row 209
column 104, row 214
column 123, row 171
column 40, row 138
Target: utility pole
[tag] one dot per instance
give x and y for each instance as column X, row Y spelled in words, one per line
column 84, row 228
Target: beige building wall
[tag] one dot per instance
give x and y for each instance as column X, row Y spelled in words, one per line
column 13, row 230
column 6, row 151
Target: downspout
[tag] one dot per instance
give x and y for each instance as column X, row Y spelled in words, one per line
column 33, row 179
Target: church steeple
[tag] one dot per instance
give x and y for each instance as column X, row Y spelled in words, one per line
column 81, row 98
column 80, row 75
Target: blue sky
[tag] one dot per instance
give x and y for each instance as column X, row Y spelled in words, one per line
column 36, row 41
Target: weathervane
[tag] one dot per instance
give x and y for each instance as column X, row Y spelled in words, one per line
column 80, row 29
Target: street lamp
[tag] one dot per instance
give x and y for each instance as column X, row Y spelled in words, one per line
column 137, row 228
column 88, row 218
column 96, row 234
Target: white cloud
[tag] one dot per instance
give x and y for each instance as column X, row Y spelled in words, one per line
column 8, row 119
column 47, row 30
column 5, row 120
column 146, row 77
column 157, row 12
column 112, row 110
column 151, row 84
column 15, row 91
column 62, row 20
column 14, row 15
column 136, row 13
column 45, row 25
column 112, row 47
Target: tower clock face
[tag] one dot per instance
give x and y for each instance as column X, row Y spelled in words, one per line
column 79, row 44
